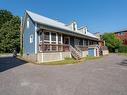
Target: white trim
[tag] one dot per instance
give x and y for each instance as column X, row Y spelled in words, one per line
column 35, row 38
column 28, row 22
column 56, row 38
column 50, row 40
column 57, row 41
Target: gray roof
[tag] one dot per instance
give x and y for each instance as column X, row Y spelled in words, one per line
column 47, row 21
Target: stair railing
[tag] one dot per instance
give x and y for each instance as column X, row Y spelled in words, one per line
column 75, row 53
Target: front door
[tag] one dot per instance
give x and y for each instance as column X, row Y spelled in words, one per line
column 67, row 43
column 67, row 40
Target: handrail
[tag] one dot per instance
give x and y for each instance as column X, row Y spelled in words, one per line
column 75, row 53
column 78, row 49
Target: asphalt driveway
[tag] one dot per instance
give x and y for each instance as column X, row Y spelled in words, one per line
column 104, row 76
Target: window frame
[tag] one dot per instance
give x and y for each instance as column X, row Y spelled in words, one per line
column 31, row 38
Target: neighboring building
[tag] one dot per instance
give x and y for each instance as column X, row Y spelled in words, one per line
column 45, row 39
column 122, row 34
column 101, row 42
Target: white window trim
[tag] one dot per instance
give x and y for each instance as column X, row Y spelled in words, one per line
column 28, row 23
column 31, row 38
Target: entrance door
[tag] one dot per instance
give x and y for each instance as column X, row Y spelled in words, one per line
column 91, row 51
column 76, row 41
column 67, row 43
column 67, row 40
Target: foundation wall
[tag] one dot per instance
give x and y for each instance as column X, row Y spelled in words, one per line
column 49, row 57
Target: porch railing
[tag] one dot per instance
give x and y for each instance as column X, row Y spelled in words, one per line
column 53, row 47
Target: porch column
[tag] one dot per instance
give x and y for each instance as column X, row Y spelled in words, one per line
column 35, row 38
column 57, row 41
column 50, row 41
column 62, row 42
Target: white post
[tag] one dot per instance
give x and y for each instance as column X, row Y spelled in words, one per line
column 50, row 39
column 35, row 38
column 61, row 42
column 56, row 41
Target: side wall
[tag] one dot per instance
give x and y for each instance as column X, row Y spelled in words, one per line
column 28, row 48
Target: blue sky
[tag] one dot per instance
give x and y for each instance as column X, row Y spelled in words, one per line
column 98, row 15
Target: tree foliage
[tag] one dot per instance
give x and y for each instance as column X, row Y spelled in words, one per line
column 5, row 16
column 111, row 41
column 9, row 33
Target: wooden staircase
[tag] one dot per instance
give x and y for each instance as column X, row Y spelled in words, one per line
column 76, row 54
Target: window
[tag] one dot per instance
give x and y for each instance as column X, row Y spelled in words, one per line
column 46, row 35
column 28, row 23
column 53, row 36
column 59, row 39
column 121, row 33
column 40, row 37
column 85, row 43
column 31, row 38
column 74, row 27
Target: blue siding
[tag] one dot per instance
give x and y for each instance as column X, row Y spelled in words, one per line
column 29, row 48
column 91, row 51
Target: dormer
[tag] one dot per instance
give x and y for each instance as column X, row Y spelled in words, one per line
column 83, row 30
column 73, row 26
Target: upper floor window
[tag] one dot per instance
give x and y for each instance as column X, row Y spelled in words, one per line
column 121, row 33
column 28, row 23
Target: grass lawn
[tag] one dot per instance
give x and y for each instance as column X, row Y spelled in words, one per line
column 124, row 54
column 70, row 61
column 63, row 62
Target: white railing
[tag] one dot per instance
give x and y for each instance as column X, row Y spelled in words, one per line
column 75, row 53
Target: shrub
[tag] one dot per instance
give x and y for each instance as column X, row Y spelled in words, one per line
column 122, row 49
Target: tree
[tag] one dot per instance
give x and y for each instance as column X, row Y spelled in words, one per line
column 5, row 16
column 111, row 41
column 9, row 34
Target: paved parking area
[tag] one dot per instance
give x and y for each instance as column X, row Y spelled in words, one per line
column 104, row 76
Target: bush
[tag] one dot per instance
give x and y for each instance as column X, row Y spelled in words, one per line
column 122, row 49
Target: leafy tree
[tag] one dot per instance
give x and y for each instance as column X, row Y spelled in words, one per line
column 9, row 35
column 5, row 16
column 111, row 41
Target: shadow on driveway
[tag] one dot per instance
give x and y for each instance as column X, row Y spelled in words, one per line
column 123, row 63
column 9, row 62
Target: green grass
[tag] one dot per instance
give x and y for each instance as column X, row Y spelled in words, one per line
column 69, row 61
column 62, row 62
column 124, row 54
column 91, row 58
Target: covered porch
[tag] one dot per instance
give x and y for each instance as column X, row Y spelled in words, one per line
column 53, row 41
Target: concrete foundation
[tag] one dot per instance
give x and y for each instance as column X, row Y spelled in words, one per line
column 105, row 52
column 84, row 53
column 31, row 57
column 55, row 56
